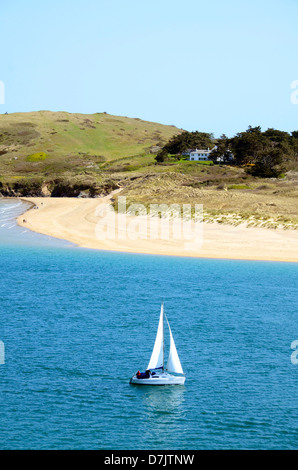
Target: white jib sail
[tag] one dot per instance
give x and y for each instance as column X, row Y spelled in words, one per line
column 174, row 364
column 157, row 356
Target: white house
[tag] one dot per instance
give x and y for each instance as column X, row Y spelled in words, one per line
column 198, row 154
column 204, row 154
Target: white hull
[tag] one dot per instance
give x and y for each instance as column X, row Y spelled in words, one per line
column 159, row 379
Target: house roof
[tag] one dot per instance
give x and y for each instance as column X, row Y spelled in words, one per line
column 198, row 150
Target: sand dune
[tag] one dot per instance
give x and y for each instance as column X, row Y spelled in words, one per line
column 92, row 223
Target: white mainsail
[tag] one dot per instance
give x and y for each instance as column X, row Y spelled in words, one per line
column 157, row 356
column 174, row 364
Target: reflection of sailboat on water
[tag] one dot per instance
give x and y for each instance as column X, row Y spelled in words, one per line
column 156, row 374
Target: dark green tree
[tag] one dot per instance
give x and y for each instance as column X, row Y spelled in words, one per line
column 188, row 140
column 246, row 146
column 274, row 135
column 294, row 145
column 221, row 150
column 269, row 163
column 161, row 156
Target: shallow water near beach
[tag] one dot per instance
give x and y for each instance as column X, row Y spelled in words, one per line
column 77, row 323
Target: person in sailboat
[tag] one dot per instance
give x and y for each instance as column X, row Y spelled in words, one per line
column 143, row 375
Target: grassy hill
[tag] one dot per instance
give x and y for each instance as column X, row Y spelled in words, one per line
column 61, row 154
column 55, row 142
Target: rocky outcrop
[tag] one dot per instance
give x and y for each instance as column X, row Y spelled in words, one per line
column 56, row 188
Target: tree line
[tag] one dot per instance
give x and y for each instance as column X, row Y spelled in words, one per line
column 263, row 153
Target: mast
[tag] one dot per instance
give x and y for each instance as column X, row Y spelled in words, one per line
column 157, row 356
column 174, row 364
column 163, row 339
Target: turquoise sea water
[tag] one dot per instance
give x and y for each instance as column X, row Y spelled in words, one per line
column 76, row 324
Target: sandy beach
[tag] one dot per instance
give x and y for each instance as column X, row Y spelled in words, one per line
column 92, row 223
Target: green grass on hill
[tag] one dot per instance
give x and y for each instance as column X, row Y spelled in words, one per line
column 72, row 141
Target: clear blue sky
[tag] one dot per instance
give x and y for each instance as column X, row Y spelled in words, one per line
column 215, row 66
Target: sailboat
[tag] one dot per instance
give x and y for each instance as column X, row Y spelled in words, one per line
column 156, row 373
